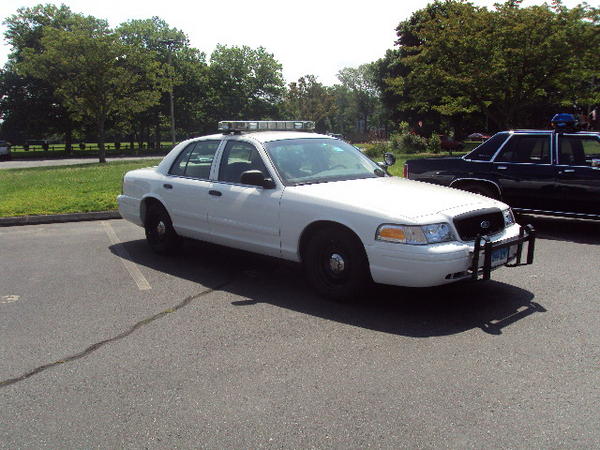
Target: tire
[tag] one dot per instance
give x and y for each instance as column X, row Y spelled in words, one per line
column 160, row 234
column 336, row 264
column 480, row 189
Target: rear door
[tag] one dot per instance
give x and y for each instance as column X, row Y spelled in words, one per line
column 578, row 176
column 185, row 188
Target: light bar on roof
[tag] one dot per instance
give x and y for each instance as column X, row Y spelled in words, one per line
column 266, row 125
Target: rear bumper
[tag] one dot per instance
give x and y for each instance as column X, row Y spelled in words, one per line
column 129, row 208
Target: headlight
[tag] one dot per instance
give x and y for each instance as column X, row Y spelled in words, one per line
column 415, row 234
column 509, row 217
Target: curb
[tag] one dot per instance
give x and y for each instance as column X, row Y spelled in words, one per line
column 58, row 218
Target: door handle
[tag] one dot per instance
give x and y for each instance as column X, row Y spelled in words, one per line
column 168, row 186
column 568, row 171
column 502, row 167
column 215, row 193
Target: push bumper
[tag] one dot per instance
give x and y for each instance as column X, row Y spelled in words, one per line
column 488, row 255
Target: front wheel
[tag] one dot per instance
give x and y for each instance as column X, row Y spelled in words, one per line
column 160, row 234
column 335, row 263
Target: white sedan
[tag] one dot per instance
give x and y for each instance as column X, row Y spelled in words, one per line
column 317, row 200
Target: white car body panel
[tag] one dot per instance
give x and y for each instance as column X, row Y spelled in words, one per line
column 271, row 221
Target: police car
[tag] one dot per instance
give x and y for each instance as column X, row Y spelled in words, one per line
column 279, row 189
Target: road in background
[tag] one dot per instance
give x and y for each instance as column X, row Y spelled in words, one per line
column 25, row 163
column 104, row 344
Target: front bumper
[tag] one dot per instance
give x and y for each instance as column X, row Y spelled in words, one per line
column 437, row 264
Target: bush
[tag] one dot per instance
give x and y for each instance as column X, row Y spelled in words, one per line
column 434, row 144
column 413, row 143
column 377, row 149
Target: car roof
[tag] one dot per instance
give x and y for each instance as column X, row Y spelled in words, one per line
column 264, row 136
column 269, row 136
column 582, row 132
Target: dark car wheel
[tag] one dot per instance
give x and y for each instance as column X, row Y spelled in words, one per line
column 336, row 264
column 160, row 234
column 481, row 189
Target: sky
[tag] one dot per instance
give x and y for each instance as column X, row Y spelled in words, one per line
column 306, row 37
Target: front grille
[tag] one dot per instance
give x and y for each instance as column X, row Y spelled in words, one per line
column 482, row 222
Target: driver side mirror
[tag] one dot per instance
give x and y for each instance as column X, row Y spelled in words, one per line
column 389, row 159
column 256, row 178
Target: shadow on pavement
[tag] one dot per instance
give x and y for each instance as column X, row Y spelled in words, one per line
column 445, row 310
column 579, row 231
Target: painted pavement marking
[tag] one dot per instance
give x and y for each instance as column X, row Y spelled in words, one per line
column 122, row 252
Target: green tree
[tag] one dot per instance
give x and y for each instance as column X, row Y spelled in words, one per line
column 365, row 103
column 510, row 66
column 245, row 83
column 28, row 106
column 95, row 73
column 307, row 99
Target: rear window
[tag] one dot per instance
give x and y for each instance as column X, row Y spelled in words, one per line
column 488, row 149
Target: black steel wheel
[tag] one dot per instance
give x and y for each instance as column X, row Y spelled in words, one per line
column 160, row 234
column 336, row 264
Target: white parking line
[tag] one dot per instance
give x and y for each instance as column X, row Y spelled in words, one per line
column 9, row 299
column 131, row 267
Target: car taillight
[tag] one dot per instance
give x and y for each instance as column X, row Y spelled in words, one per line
column 405, row 171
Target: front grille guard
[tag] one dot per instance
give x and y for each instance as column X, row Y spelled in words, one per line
column 526, row 235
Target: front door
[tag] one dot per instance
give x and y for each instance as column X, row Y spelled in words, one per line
column 243, row 216
column 525, row 173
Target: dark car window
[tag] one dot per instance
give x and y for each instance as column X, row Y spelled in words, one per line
column 485, row 151
column 237, row 158
column 579, row 150
column 526, row 149
column 195, row 160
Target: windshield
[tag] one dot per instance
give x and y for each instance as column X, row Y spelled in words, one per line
column 306, row 161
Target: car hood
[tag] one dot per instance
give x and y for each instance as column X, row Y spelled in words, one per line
column 393, row 198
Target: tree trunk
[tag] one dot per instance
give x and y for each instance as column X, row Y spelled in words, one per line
column 157, row 132
column 69, row 139
column 101, row 150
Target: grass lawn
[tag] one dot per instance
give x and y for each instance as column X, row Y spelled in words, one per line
column 64, row 189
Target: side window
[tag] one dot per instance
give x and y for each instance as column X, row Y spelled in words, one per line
column 195, row 160
column 579, row 150
column 237, row 158
column 485, row 151
column 526, row 149
column 178, row 167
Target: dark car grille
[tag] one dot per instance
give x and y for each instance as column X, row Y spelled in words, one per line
column 484, row 222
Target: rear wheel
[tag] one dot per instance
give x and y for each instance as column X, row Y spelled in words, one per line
column 160, row 234
column 336, row 264
column 481, row 189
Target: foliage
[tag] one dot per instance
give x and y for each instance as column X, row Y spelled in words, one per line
column 364, row 107
column 28, row 106
column 434, row 144
column 510, row 66
column 307, row 99
column 245, row 83
column 95, row 73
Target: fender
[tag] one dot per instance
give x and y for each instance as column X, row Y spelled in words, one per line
column 477, row 180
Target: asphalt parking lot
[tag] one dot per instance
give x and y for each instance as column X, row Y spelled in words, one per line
column 104, row 344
